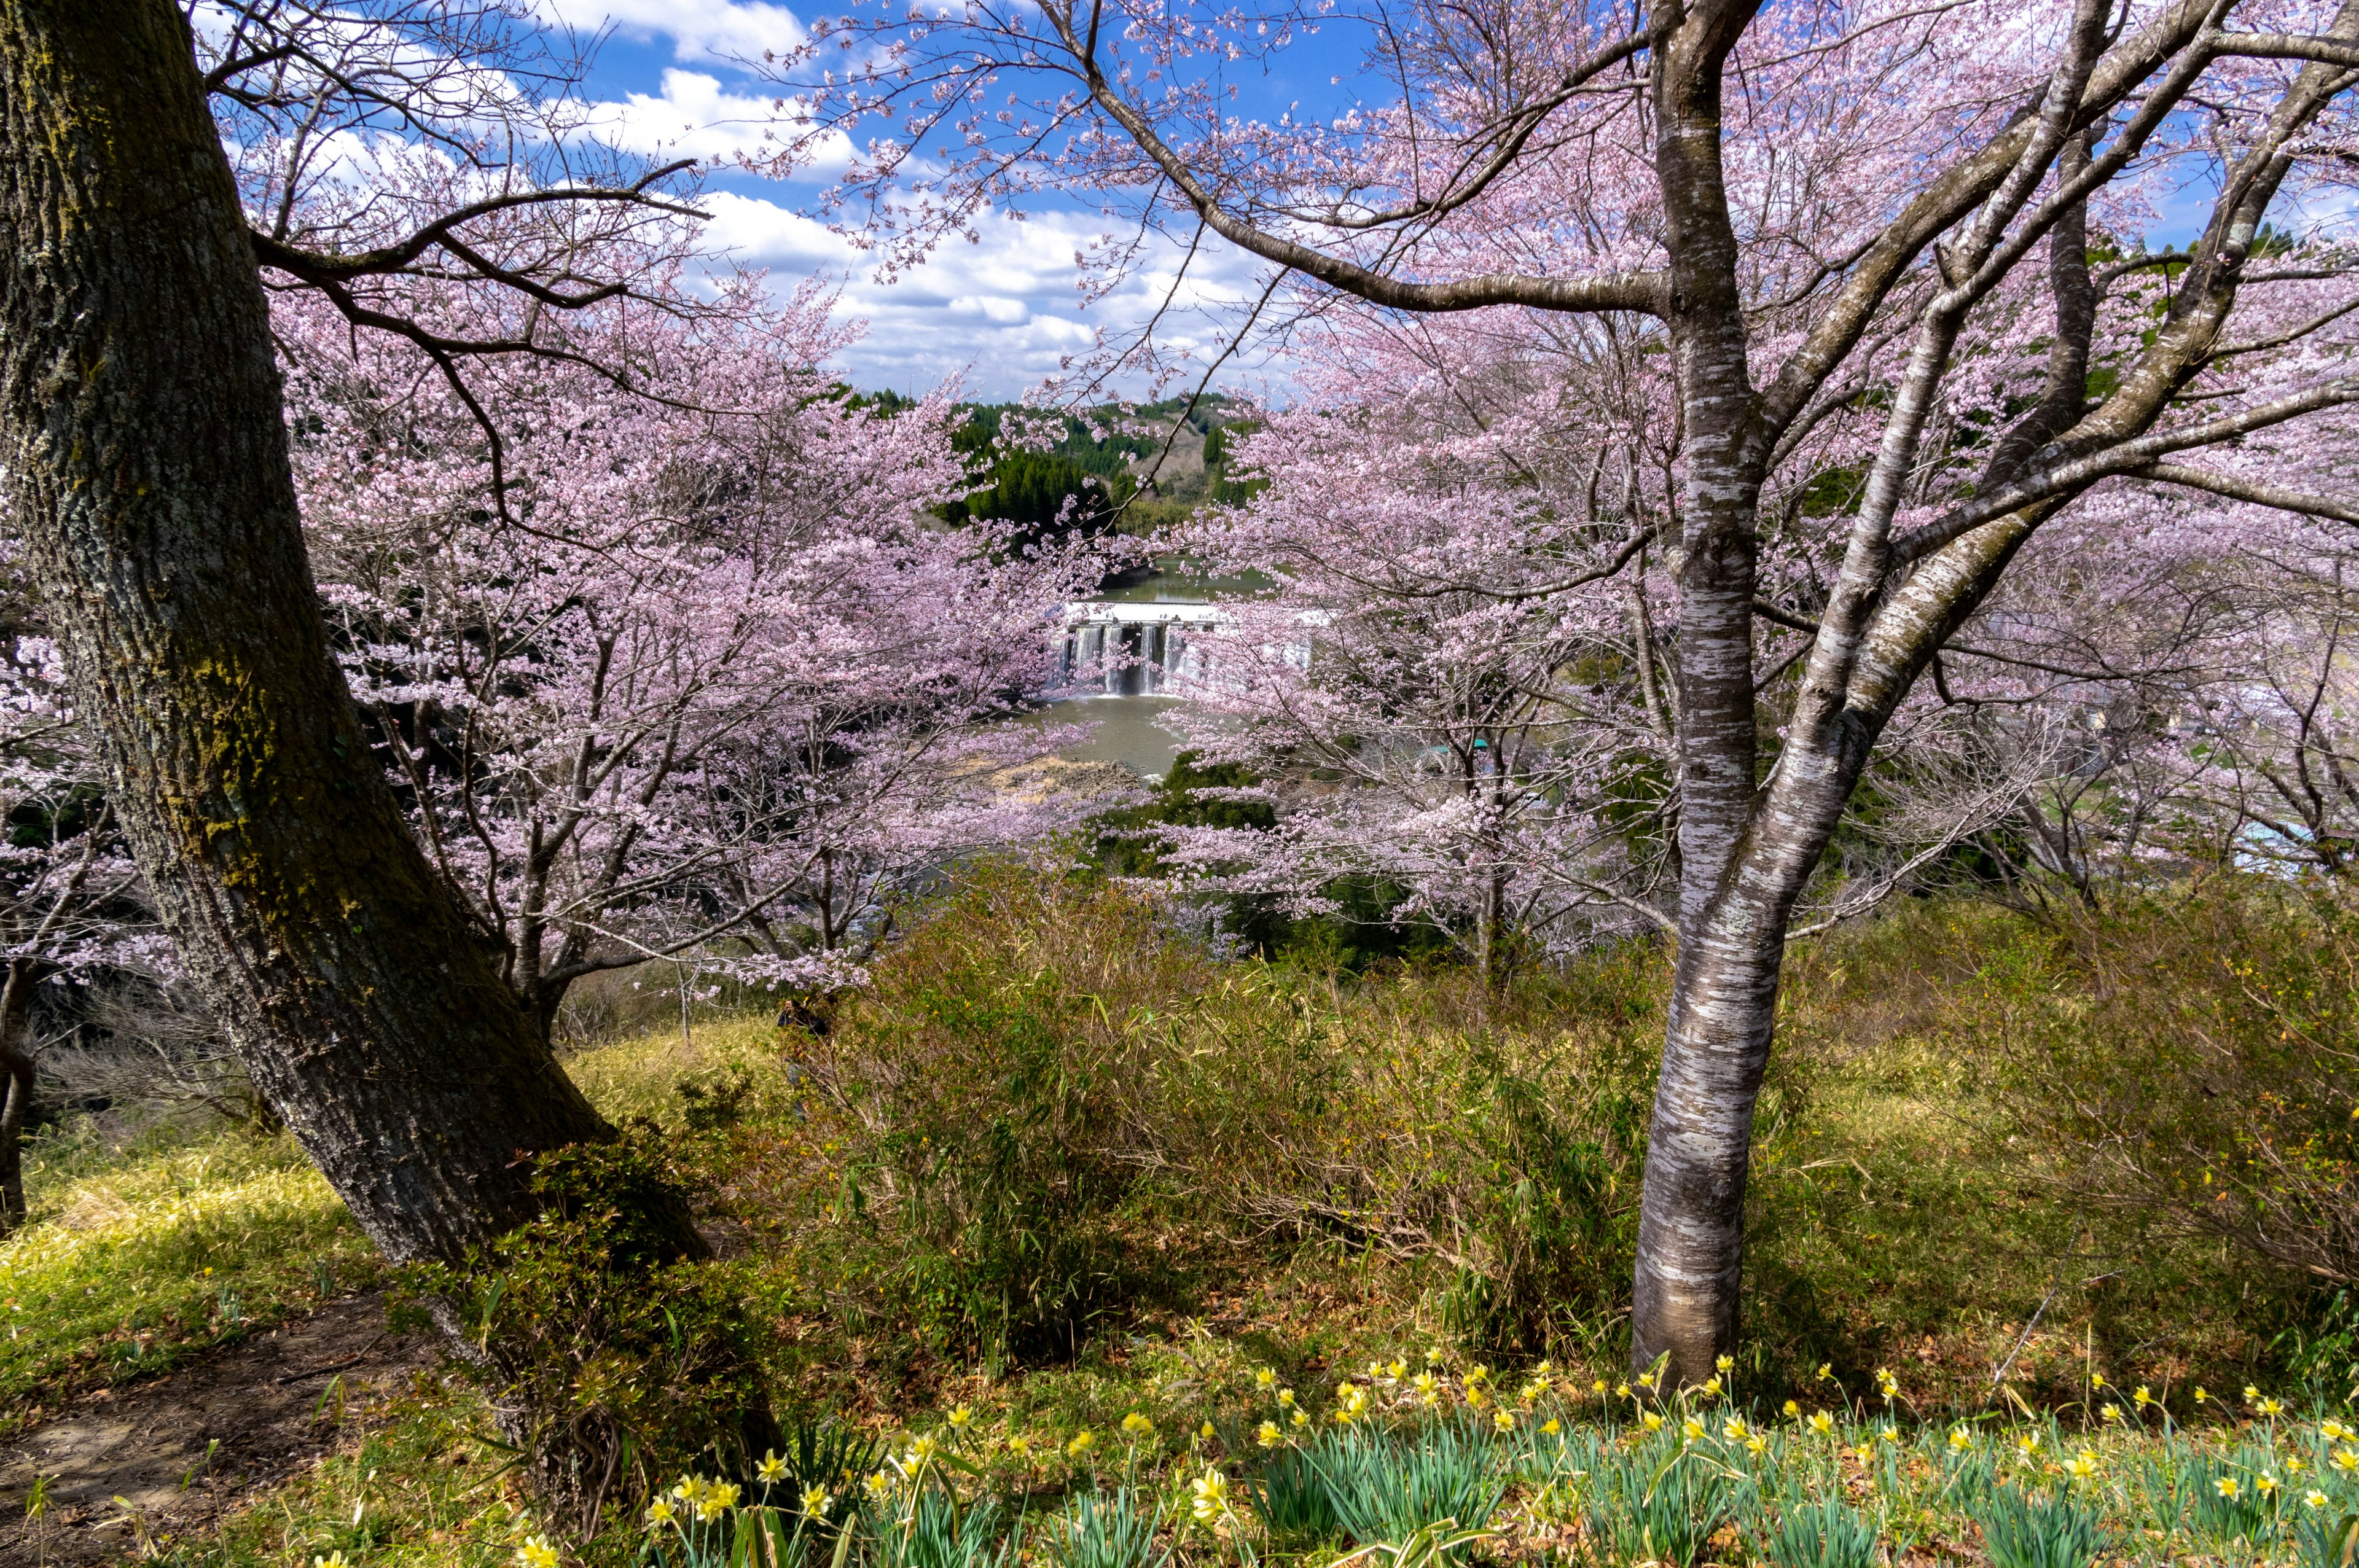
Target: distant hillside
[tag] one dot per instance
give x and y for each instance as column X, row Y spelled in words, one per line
column 1104, row 472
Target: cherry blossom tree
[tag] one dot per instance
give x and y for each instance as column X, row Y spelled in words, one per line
column 719, row 686
column 1882, row 262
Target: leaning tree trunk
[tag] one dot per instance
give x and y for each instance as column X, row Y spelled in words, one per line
column 139, row 406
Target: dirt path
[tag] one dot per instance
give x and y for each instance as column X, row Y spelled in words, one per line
column 183, row 1448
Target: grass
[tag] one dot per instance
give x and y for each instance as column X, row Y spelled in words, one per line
column 1056, row 1169
column 142, row 1256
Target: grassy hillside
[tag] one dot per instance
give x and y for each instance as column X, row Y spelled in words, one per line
column 1058, row 1169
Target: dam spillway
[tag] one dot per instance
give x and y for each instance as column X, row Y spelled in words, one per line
column 1126, row 649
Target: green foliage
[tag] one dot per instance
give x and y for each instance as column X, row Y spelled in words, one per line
column 1292, row 1500
column 1825, row 1531
column 1106, row 1530
column 593, row 1320
column 1660, row 1502
column 2325, row 1538
column 2189, row 1058
column 1387, row 1488
column 2021, row 1530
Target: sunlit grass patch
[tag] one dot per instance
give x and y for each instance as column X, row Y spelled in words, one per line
column 133, row 1267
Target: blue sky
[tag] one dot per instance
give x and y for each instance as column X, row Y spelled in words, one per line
column 999, row 314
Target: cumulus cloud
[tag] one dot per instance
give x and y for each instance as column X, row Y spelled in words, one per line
column 1002, row 314
column 700, row 29
column 695, row 116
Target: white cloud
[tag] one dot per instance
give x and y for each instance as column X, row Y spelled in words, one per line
column 1002, row 313
column 700, row 29
column 695, row 118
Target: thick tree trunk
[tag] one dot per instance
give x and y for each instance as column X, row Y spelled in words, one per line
column 16, row 1089
column 140, row 409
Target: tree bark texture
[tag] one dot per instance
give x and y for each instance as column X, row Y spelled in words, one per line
column 146, row 455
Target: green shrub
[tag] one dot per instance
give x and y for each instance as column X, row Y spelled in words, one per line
column 2190, row 1058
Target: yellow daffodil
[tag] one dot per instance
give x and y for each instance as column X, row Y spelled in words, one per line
column 723, row 1495
column 1301, row 1418
column 1550, row 1427
column 1137, row 1425
column 1267, row 1434
column 1712, row 1385
column 1205, row 1432
column 1822, row 1424
column 816, row 1501
column 2142, row 1395
column 660, row 1513
column 2200, row 1395
column 1725, row 1363
column 1212, row 1496
column 1793, row 1409
column 1654, row 1421
column 1960, row 1440
column 1505, row 1419
column 1083, row 1441
column 1599, row 1385
column 2027, row 1444
column 2251, row 1393
column 880, row 1486
column 2346, row 1460
column 772, row 1469
column 1733, row 1428
column 960, row 1417
column 1756, row 1445
column 2333, row 1430
column 1396, row 1370
column 1826, row 1371
column 923, row 1449
column 2109, row 1414
column 1264, row 1377
column 2267, row 1486
column 1020, row 1446
column 1622, row 1390
column 2096, row 1379
column 1691, row 1429
column 536, row 1552
column 1286, row 1399
column 2228, row 1486
column 2313, row 1498
column 2084, row 1465
column 1889, row 1434
column 2271, row 1409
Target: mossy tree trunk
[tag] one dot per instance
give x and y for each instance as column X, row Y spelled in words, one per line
column 147, row 465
